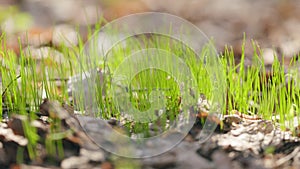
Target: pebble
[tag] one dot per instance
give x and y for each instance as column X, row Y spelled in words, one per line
column 96, row 156
column 268, row 56
column 36, row 37
column 89, row 14
column 43, row 53
column 74, row 162
column 63, row 11
column 53, row 109
column 12, row 24
column 222, row 36
column 65, row 35
column 8, row 135
column 290, row 48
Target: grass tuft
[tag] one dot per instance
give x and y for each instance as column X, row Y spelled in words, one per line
column 250, row 89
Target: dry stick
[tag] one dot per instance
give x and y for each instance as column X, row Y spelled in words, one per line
column 286, row 158
column 5, row 90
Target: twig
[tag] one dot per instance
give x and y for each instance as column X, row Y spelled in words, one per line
column 286, row 158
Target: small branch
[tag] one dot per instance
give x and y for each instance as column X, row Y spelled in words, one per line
column 286, row 158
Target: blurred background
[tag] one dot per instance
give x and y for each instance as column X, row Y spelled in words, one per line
column 272, row 24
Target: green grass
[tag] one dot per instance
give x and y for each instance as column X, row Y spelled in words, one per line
column 249, row 91
column 272, row 93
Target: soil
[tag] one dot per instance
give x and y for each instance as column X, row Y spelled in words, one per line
column 242, row 143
